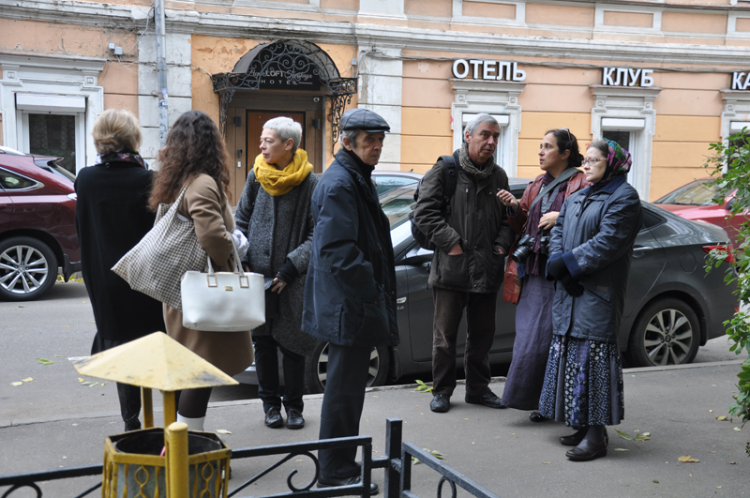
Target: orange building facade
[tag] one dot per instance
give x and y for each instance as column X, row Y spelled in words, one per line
column 664, row 78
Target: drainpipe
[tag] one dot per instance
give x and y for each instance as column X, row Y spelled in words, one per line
column 161, row 69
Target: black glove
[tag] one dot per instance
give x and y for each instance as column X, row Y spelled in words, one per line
column 287, row 273
column 571, row 286
column 556, row 269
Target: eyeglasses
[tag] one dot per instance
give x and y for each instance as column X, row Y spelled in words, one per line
column 592, row 161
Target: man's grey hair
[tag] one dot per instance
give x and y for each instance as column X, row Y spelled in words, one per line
column 351, row 135
column 483, row 117
column 285, row 129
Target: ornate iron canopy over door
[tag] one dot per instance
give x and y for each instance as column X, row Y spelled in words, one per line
column 286, row 65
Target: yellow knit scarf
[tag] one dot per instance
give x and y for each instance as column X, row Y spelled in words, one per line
column 279, row 182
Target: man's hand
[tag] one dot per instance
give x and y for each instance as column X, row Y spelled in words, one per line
column 455, row 250
column 548, row 220
column 508, row 199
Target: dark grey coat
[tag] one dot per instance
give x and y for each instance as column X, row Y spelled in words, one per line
column 595, row 235
column 478, row 221
column 350, row 294
column 280, row 228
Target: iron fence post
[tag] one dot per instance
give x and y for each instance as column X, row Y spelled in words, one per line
column 393, row 438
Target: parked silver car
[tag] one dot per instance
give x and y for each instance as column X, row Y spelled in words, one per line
column 672, row 307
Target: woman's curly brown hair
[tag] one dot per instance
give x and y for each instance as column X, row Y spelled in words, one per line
column 193, row 146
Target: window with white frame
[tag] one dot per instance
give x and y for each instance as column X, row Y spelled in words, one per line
column 49, row 106
column 626, row 115
column 500, row 100
column 53, row 125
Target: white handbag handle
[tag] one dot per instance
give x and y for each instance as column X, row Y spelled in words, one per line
column 244, row 281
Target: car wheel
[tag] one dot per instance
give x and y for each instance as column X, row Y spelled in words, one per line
column 667, row 332
column 28, row 269
column 316, row 368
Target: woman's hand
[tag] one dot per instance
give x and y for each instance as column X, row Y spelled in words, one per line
column 508, row 199
column 277, row 285
column 548, row 220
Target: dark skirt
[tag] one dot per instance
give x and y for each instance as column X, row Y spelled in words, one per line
column 583, row 383
column 101, row 344
column 523, row 385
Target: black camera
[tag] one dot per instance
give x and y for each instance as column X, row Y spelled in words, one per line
column 524, row 249
column 544, row 245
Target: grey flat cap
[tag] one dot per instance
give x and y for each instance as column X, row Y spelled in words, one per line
column 363, row 119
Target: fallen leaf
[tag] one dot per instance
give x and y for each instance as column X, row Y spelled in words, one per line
column 466, row 419
column 718, row 487
column 44, row 361
column 732, row 463
column 74, row 425
column 545, row 463
column 81, row 379
column 657, row 482
column 16, row 384
column 737, row 429
column 223, row 431
column 67, row 326
column 687, row 459
column 28, row 379
column 93, row 384
column 104, row 383
column 624, row 435
column 710, row 411
column 621, row 449
column 721, row 417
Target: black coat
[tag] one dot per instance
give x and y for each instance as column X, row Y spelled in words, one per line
column 350, row 292
column 112, row 216
column 595, row 235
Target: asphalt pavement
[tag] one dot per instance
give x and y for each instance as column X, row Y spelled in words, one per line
column 56, row 421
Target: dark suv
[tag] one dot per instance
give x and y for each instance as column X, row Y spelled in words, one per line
column 37, row 225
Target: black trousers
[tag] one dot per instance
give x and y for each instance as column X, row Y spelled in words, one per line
column 480, row 317
column 267, row 368
column 343, row 401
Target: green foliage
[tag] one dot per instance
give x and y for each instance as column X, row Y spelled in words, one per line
column 730, row 169
column 422, row 387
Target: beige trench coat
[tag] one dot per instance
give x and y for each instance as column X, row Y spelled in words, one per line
column 232, row 352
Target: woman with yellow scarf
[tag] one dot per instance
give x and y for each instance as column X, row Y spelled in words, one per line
column 274, row 213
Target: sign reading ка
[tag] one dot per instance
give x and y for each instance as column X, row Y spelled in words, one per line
column 623, row 76
column 487, row 70
column 740, row 81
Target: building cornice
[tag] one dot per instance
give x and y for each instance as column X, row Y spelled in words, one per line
column 326, row 31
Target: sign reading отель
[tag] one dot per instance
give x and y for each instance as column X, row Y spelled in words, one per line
column 479, row 69
column 624, row 76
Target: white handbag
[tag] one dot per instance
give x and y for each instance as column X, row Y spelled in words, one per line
column 223, row 301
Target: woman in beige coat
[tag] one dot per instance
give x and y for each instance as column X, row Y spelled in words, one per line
column 194, row 155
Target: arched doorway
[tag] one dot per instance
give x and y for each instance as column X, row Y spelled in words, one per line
column 286, row 77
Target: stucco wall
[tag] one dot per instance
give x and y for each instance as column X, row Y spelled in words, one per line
column 119, row 78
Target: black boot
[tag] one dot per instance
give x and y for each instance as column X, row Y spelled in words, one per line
column 593, row 446
column 574, row 439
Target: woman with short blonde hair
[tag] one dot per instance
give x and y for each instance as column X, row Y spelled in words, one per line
column 116, row 130
column 112, row 216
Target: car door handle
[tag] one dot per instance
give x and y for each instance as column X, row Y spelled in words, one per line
column 639, row 252
column 401, row 300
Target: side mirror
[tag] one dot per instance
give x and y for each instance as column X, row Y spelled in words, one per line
column 729, row 204
column 417, row 257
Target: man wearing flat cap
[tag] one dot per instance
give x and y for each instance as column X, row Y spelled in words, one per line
column 350, row 291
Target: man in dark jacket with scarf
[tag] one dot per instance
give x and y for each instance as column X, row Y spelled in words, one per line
column 350, row 292
column 471, row 240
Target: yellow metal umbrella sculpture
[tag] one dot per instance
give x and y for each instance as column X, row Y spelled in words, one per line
column 154, row 362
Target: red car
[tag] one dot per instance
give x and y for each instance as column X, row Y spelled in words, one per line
column 37, row 225
column 695, row 201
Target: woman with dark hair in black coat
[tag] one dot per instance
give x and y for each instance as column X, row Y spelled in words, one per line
column 112, row 216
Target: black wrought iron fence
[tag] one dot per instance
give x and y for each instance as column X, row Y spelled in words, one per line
column 397, row 465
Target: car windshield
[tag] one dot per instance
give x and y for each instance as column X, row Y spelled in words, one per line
column 397, row 204
column 52, row 166
column 386, row 183
column 697, row 193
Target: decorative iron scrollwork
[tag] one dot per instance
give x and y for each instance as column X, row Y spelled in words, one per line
column 289, row 478
column 286, row 64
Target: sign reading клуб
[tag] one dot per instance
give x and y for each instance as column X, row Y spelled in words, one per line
column 740, row 81
column 625, row 76
column 479, row 69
